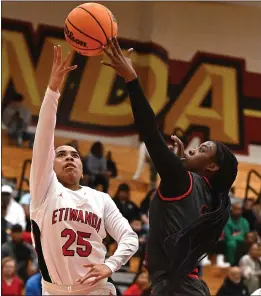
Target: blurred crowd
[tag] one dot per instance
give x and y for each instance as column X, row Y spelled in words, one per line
column 238, row 249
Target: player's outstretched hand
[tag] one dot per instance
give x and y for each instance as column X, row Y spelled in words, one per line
column 120, row 63
column 59, row 69
column 180, row 150
column 96, row 273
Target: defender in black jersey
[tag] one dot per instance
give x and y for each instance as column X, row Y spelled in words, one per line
column 191, row 205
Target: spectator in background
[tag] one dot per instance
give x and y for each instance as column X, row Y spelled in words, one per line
column 248, row 213
column 235, row 231
column 140, row 285
column 251, row 268
column 111, row 166
column 33, row 286
column 17, row 118
column 257, row 293
column 220, row 250
column 244, row 246
column 11, row 284
column 23, row 253
column 144, row 157
column 25, row 203
column 257, row 212
column 14, row 213
column 136, row 225
column 5, row 225
column 96, row 165
column 233, row 284
column 128, row 209
column 144, row 209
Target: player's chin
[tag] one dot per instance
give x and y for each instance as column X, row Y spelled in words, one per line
column 70, row 178
column 189, row 165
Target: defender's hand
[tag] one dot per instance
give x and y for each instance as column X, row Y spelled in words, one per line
column 179, row 145
column 120, row 63
column 59, row 69
column 97, row 272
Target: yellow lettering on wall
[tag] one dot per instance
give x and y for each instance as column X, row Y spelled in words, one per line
column 28, row 80
column 90, row 105
column 222, row 117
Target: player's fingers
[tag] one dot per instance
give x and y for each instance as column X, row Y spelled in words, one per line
column 107, row 64
column 171, row 147
column 59, row 55
column 88, row 265
column 69, row 69
column 54, row 55
column 129, row 52
column 177, row 141
column 88, row 276
column 65, row 61
column 108, row 53
column 114, row 50
column 116, row 45
column 98, row 278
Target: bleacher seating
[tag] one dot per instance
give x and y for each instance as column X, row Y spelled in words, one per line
column 126, row 158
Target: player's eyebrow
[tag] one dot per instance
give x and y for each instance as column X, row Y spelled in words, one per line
column 59, row 151
column 64, row 151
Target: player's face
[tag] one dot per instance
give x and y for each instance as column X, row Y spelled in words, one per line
column 201, row 159
column 67, row 165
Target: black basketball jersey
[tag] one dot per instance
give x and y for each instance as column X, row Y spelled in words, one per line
column 169, row 215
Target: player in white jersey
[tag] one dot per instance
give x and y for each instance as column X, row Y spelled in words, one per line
column 69, row 221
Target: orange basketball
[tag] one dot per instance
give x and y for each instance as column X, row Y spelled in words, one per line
column 88, row 27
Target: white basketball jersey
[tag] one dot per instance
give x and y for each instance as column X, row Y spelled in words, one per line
column 69, row 226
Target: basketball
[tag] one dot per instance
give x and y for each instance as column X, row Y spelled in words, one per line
column 88, row 28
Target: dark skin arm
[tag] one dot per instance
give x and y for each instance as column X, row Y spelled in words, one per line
column 175, row 179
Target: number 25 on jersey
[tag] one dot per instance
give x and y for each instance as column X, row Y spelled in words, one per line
column 84, row 248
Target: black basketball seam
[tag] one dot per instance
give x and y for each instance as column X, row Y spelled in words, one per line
column 83, row 32
column 86, row 48
column 95, row 20
column 111, row 23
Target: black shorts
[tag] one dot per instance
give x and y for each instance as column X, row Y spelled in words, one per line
column 188, row 287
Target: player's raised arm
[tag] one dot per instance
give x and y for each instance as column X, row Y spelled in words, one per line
column 168, row 165
column 41, row 173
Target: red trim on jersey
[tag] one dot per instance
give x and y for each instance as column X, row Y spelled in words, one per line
column 178, row 197
column 206, row 179
column 194, row 274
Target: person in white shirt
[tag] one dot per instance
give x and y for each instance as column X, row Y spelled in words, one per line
column 15, row 213
column 251, row 268
column 143, row 158
column 69, row 221
column 257, row 293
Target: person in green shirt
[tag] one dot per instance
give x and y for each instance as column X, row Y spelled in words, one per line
column 235, row 231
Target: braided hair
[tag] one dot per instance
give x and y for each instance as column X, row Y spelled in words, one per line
column 191, row 244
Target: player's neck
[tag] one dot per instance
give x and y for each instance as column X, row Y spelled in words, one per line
column 73, row 187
